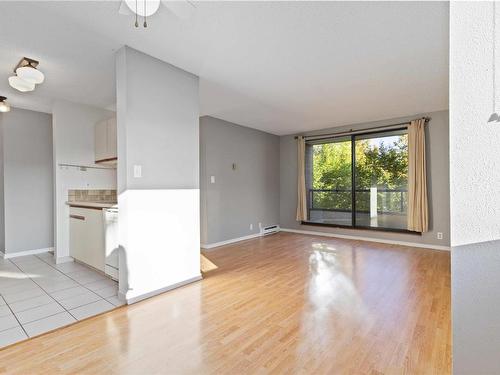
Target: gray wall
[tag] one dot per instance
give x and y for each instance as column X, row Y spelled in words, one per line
column 238, row 198
column 438, row 183
column 159, row 126
column 475, row 308
column 28, row 180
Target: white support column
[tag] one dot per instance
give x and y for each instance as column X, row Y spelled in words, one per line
column 474, row 184
column 159, row 215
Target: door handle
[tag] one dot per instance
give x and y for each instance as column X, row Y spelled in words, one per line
column 77, row 217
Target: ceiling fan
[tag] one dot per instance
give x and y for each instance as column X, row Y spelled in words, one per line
column 183, row 9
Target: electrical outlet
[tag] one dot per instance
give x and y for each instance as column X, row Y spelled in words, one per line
column 439, row 235
column 251, row 226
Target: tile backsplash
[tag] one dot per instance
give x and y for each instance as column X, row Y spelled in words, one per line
column 92, row 196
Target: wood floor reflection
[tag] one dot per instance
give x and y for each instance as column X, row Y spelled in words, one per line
column 286, row 303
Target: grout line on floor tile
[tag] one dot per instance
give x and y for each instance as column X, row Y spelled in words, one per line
column 69, row 312
column 43, row 304
column 25, row 299
column 15, row 317
column 76, row 281
column 48, row 316
column 50, row 297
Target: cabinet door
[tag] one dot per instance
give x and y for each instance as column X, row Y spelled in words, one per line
column 111, row 138
column 87, row 236
column 77, row 234
column 101, row 140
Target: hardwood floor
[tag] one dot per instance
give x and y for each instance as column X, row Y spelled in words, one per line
column 283, row 304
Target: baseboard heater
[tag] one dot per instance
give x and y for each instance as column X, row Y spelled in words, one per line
column 269, row 230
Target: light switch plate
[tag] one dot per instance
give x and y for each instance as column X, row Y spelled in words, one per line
column 212, row 179
column 137, row 171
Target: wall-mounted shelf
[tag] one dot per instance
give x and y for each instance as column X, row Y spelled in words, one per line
column 83, row 168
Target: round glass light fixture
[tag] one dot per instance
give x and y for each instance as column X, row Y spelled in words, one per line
column 20, row 84
column 143, row 8
column 4, row 106
column 30, row 74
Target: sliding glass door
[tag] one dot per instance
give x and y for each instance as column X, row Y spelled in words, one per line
column 359, row 180
column 381, row 179
column 330, row 182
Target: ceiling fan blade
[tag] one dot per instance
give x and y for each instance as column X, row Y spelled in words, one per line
column 124, row 9
column 183, row 9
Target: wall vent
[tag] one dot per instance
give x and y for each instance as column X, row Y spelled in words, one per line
column 269, row 230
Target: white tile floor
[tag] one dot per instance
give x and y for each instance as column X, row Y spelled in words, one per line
column 37, row 295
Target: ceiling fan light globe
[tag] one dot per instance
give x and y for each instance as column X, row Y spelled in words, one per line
column 151, row 8
column 30, row 74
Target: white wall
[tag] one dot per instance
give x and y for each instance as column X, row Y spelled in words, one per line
column 474, row 185
column 158, row 126
column 474, row 143
column 73, row 143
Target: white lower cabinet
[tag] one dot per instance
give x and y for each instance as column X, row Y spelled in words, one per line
column 87, row 236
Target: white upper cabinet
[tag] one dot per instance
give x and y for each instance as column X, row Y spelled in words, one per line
column 101, row 136
column 111, row 141
column 105, row 141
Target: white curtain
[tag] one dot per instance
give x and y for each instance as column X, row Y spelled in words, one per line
column 418, row 216
column 301, row 180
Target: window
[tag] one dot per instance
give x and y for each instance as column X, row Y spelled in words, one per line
column 359, row 181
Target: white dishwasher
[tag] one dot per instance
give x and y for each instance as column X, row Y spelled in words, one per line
column 111, row 242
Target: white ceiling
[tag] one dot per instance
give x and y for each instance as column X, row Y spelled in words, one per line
column 281, row 67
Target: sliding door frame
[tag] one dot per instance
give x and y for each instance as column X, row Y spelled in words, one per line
column 353, row 181
column 353, row 191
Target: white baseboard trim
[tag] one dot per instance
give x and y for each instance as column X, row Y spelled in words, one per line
column 368, row 239
column 227, row 242
column 159, row 291
column 6, row 255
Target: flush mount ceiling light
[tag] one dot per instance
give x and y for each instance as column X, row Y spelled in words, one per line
column 27, row 75
column 20, row 84
column 30, row 74
column 4, row 106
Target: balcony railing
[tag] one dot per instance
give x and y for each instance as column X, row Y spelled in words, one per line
column 389, row 201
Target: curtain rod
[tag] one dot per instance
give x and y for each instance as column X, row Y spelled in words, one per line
column 366, row 130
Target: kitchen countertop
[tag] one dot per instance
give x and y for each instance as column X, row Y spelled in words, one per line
column 92, row 204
